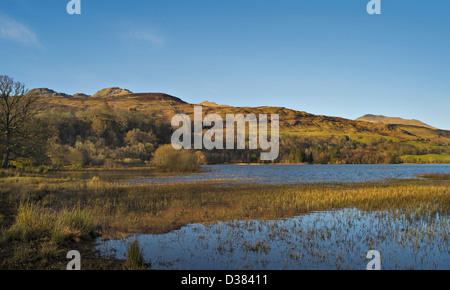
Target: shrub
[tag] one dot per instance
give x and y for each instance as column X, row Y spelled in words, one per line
column 201, row 158
column 168, row 159
column 76, row 158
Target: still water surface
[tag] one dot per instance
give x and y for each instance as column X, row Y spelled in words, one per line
column 300, row 173
column 319, row 240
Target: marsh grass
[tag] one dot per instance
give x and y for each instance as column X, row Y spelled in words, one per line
column 34, row 222
column 48, row 250
column 66, row 211
column 443, row 176
column 8, row 172
column 135, row 258
column 320, row 240
column 120, row 210
column 22, row 253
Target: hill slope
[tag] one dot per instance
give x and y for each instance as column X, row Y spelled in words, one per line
column 392, row 121
column 292, row 122
column 304, row 137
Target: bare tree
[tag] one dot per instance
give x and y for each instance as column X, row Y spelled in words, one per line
column 17, row 109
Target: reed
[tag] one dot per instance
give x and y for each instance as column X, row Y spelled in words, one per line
column 135, row 258
column 37, row 210
column 444, row 176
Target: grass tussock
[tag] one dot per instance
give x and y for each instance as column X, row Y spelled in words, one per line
column 135, row 257
column 34, row 222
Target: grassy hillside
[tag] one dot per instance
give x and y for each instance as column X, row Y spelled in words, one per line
column 305, row 138
column 163, row 106
column 393, row 121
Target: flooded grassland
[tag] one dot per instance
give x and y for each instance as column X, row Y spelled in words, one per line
column 214, row 224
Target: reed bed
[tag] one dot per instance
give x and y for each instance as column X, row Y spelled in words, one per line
column 443, row 176
column 336, row 239
column 58, row 212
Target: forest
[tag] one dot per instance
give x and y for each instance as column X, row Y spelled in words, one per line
column 102, row 137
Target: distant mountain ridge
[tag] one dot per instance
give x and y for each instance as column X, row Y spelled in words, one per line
column 119, row 92
column 47, row 93
column 107, row 92
column 393, row 121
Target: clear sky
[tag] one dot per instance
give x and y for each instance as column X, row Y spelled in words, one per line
column 325, row 57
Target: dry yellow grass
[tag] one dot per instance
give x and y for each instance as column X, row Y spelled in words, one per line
column 124, row 209
column 50, row 213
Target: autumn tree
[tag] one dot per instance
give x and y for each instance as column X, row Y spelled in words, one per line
column 17, row 112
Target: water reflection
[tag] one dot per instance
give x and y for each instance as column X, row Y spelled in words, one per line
column 322, row 240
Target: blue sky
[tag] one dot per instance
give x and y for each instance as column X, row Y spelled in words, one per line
column 321, row 56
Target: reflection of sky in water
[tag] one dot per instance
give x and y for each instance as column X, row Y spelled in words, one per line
column 300, row 173
column 325, row 240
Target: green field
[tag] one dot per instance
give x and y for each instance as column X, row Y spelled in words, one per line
column 428, row 158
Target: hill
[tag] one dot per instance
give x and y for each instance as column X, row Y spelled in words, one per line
column 392, row 121
column 109, row 92
column 47, row 93
column 304, row 137
column 292, row 122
